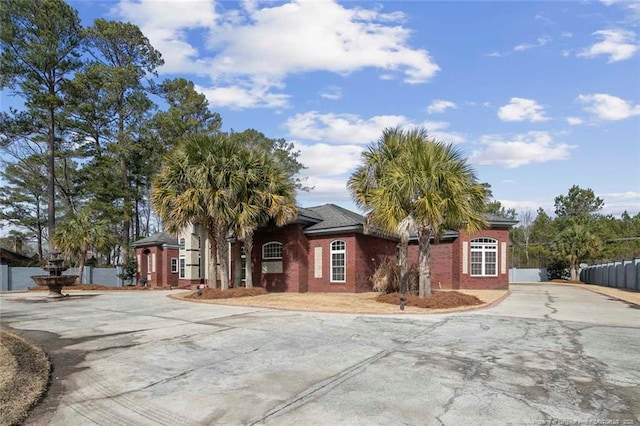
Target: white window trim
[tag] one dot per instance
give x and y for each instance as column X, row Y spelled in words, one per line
column 488, row 245
column 333, row 251
column 265, row 245
column 182, row 267
column 182, row 244
column 174, row 265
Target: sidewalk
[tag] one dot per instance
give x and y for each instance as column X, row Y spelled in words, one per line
column 629, row 296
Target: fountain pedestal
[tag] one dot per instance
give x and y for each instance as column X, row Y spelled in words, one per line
column 55, row 280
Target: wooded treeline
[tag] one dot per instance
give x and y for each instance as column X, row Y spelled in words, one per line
column 577, row 233
column 93, row 127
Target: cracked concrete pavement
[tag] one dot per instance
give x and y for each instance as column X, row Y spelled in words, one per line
column 546, row 353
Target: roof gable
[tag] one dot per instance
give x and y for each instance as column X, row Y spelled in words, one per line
column 335, row 218
column 159, row 239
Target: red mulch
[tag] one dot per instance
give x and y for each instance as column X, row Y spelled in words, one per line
column 216, row 293
column 89, row 287
column 441, row 300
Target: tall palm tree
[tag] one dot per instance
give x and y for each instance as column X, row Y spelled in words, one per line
column 267, row 194
column 197, row 183
column 408, row 181
column 81, row 233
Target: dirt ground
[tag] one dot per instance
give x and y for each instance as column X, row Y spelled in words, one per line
column 24, row 373
column 358, row 303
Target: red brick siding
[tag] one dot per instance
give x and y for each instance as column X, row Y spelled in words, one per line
column 440, row 260
column 162, row 275
column 501, row 281
column 324, row 284
column 370, row 252
column 294, row 257
column 446, row 262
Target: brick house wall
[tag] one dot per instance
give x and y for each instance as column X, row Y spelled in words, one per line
column 499, row 282
column 159, row 273
column 447, row 257
column 371, row 252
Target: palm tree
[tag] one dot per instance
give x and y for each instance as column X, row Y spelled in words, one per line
column 407, row 182
column 575, row 243
column 267, row 194
column 197, row 183
column 81, row 233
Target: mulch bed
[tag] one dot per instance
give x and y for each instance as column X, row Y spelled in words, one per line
column 216, row 293
column 441, row 300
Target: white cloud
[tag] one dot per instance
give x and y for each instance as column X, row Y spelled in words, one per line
column 522, row 205
column 532, row 147
column 352, row 129
column 521, row 109
column 439, row 106
column 325, row 190
column 265, row 42
column 340, row 128
column 331, row 92
column 618, row 44
column 541, row 16
column 164, row 24
column 632, row 7
column 608, row 107
column 574, row 121
column 628, row 195
column 329, row 160
column 494, row 54
column 542, row 41
column 615, row 203
column 566, row 34
column 244, row 96
column 316, row 35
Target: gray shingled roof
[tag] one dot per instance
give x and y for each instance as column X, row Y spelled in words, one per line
column 161, row 238
column 496, row 220
column 308, row 215
column 335, row 218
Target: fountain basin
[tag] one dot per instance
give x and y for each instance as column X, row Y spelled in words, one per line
column 55, row 283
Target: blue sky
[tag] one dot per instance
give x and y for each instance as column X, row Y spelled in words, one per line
column 538, row 95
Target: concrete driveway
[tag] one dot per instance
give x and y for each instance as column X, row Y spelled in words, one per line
column 546, row 354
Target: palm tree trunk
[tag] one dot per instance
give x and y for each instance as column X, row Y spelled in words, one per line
column 223, row 255
column 237, row 263
column 424, row 246
column 81, row 263
column 248, row 248
column 212, row 279
column 403, row 249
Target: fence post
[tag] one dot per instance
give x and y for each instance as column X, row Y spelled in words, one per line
column 4, row 278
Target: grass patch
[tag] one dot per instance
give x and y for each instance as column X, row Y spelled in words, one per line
column 216, row 293
column 440, row 300
column 24, row 374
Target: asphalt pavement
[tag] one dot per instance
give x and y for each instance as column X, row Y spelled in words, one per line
column 545, row 355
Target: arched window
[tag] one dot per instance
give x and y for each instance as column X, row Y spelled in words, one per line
column 338, row 261
column 484, row 257
column 272, row 250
